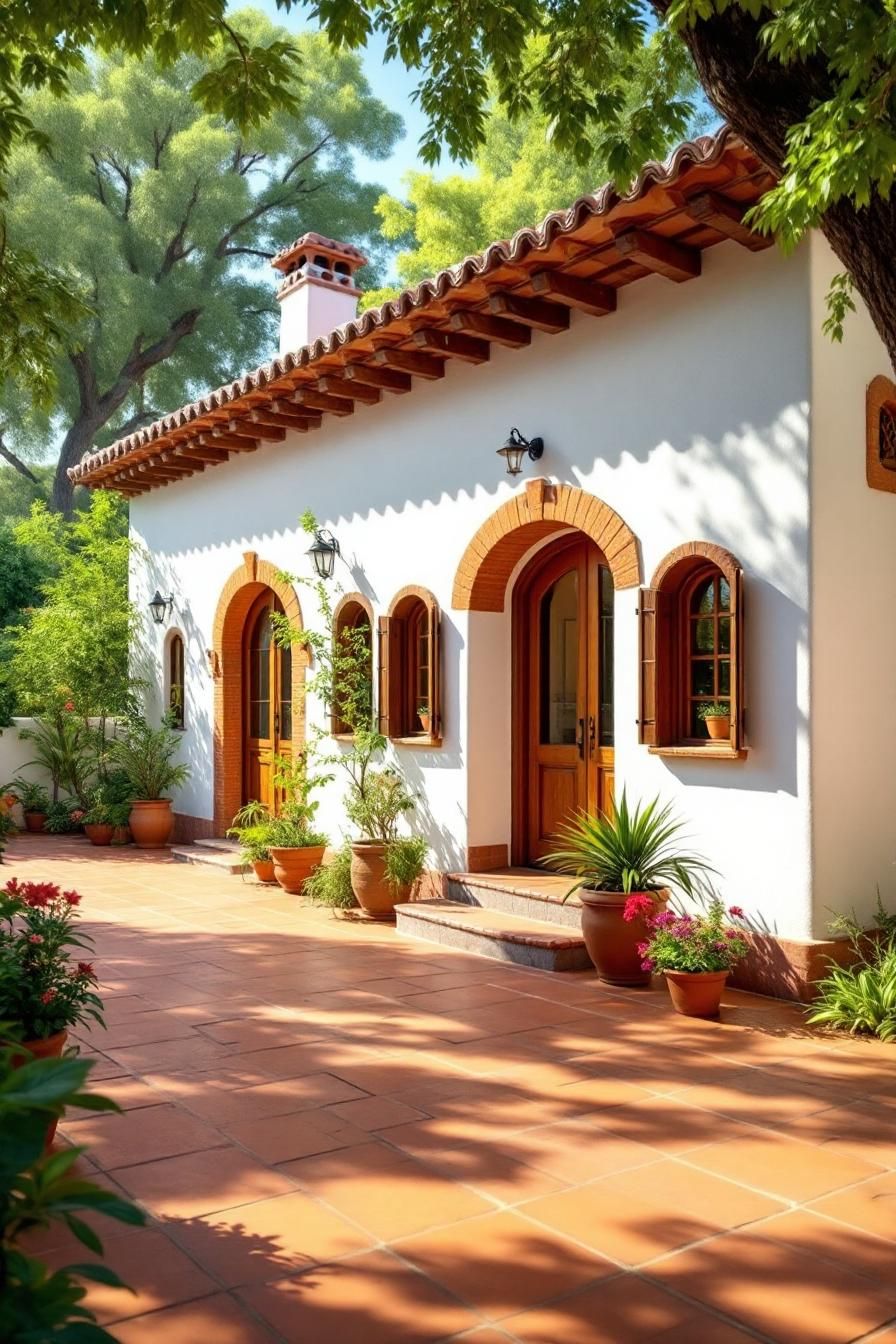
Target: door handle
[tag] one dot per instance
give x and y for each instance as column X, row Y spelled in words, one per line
column 591, row 735
column 580, row 739
column 276, row 722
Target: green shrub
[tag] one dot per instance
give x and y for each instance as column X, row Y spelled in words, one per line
column 146, row 756
column 861, row 998
column 405, row 858
column 331, row 883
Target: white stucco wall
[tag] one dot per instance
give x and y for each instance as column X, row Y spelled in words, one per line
column 853, row 640
column 686, row 411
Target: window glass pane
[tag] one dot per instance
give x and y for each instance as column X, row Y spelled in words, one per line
column 724, row 677
column 260, row 678
column 605, row 659
column 703, row 634
column 704, row 597
column 286, row 692
column 258, row 718
column 724, row 634
column 702, row 678
column 559, row 631
column 724, row 595
column 698, row 727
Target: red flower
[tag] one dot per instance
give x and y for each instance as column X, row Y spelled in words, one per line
column 636, row 906
column 71, row 897
column 735, row 911
column 48, row 996
column 35, row 938
column 69, row 705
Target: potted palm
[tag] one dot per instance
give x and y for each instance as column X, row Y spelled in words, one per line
column 695, row 952
column 35, row 801
column 613, row 857
column 146, row 755
column 251, row 827
column 716, row 719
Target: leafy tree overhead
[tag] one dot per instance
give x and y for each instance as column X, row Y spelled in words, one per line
column 167, row 215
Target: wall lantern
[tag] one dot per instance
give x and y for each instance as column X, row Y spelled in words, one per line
column 160, row 606
column 324, row 552
column 516, row 448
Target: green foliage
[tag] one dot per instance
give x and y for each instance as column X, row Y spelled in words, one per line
column 109, row 801
column 41, row 990
column 293, row 827
column 146, row 755
column 32, row 796
column 250, row 827
column 64, row 817
column 405, row 860
column 38, row 1189
column 688, row 942
column 377, row 810
column 717, row 710
column 7, row 829
column 66, row 748
column 629, row 850
column 331, row 883
column 861, row 998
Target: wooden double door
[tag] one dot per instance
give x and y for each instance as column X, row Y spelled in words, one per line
column 563, row 693
column 267, row 703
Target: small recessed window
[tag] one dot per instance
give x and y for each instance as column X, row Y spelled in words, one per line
column 880, row 440
column 886, row 438
column 410, row 705
column 352, row 706
column 176, row 700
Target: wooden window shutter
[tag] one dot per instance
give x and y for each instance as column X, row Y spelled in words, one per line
column 384, row 640
column 435, row 670
column 647, row 699
column 738, row 658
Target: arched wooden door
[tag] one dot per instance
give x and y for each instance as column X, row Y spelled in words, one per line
column 267, row 702
column 563, row 693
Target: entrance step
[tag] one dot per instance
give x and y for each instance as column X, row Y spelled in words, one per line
column 491, row 933
column 220, row 857
column 219, row 842
column 525, row 892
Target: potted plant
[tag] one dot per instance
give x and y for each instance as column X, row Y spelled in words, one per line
column 296, row 848
column 717, row 720
column 617, row 855
column 42, row 993
column 695, row 952
column 104, row 816
column 424, row 715
column 385, row 865
column 331, row 883
column 146, row 755
column 251, row 827
column 35, row 801
column 64, row 817
column 7, row 828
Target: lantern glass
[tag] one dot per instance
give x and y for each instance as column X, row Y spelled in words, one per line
column 513, row 453
column 323, row 553
column 158, row 606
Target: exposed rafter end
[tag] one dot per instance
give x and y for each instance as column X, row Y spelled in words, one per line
column 588, row 296
column 727, row 218
column 661, row 255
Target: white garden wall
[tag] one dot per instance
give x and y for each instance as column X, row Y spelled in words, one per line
column 686, row 412
column 15, row 753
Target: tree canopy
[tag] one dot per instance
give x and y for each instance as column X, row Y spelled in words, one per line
column 166, row 214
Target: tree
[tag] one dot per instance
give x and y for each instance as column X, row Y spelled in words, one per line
column 164, row 212
column 810, row 85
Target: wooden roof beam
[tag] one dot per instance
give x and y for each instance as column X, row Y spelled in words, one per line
column 257, row 430
column 389, row 379
column 588, row 296
column 491, row 328
column 323, row 401
column 537, row 313
column 410, row 361
column 153, row 471
column 355, row 391
column 467, row 348
column 661, row 255
column 236, row 443
column 292, row 416
column 188, row 452
column 727, row 218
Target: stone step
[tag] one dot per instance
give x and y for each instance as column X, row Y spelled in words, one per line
column 524, row 892
column 219, row 842
column 223, row 861
column 491, row 933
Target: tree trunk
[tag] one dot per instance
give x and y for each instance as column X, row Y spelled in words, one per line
column 761, row 100
column 79, row 438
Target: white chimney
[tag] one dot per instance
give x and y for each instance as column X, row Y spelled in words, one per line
column 318, row 291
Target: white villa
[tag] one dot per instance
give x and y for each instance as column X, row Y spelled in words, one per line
column 707, row 519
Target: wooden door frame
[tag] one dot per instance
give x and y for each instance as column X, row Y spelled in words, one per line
column 265, row 599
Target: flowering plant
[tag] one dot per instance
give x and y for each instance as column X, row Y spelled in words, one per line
column 41, row 990
column 704, row 942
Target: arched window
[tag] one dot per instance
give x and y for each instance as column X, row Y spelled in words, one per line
column 410, row 700
column 880, row 453
column 692, row 654
column 352, row 706
column 175, row 681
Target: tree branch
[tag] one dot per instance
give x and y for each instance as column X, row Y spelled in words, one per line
column 246, row 252
column 160, row 142
column 175, row 251
column 305, row 157
column 135, row 421
column 139, row 362
column 9, row 456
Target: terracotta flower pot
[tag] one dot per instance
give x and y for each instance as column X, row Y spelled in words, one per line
column 49, row 1047
column 425, row 721
column 151, row 822
column 8, row 802
column 293, row 867
column 612, row 942
column 121, row 835
column 264, row 870
column 696, row 993
column 34, row 821
column 718, row 727
column 376, row 896
column 99, row 833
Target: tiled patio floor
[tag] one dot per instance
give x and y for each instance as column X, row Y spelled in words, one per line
column 343, row 1138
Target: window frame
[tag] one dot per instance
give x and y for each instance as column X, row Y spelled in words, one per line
column 880, row 397
column 175, row 640
column 412, row 613
column 348, row 611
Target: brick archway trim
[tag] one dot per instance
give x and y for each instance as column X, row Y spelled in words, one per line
column 696, row 552
column 239, row 592
column 480, row 583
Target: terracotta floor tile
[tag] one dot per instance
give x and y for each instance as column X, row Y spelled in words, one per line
column 667, row 1124
column 486, row 1168
column 256, row 1243
column 219, row 1319
column 767, row 1286
column 812, row 1234
column 781, row 1166
column 502, row 1262
column 282, row 1138
column 141, row 1135
column 862, row 1129
column 184, row 1187
column 576, row 1150
column 506, row 1018
column 596, row 1093
column 462, row 998
column 126, row 1091
column 624, row 1310
column 159, row 1274
column 372, row 1299
column 373, row 1113
column 871, row 1206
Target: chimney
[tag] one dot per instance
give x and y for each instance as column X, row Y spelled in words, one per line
column 318, row 291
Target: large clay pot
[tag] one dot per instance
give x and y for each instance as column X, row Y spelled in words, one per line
column 34, row 821
column 376, row 896
column 718, row 727
column 50, row 1047
column 151, row 822
column 696, row 993
column 99, row 833
column 293, row 867
column 612, row 942
column 264, row 870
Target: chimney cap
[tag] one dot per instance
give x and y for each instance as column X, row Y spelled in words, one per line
column 286, row 258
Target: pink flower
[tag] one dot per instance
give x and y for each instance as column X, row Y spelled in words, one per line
column 731, row 933
column 648, row 964
column 663, row 919
column 35, row 938
column 48, row 996
column 636, row 906
column 735, row 911
column 642, row 949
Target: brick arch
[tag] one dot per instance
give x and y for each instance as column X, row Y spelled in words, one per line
column 480, row 583
column 226, row 661
column 692, row 553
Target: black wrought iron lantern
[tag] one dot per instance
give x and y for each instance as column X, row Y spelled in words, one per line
column 323, row 552
column 159, row 607
column 516, row 448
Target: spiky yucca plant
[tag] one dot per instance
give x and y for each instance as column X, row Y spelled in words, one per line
column 629, row 850
column 860, row 999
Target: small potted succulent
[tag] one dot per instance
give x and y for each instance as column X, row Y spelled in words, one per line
column 695, row 952
column 42, row 993
column 424, row 715
column 146, row 755
column 613, row 857
column 35, row 801
column 716, row 718
column 251, row 827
